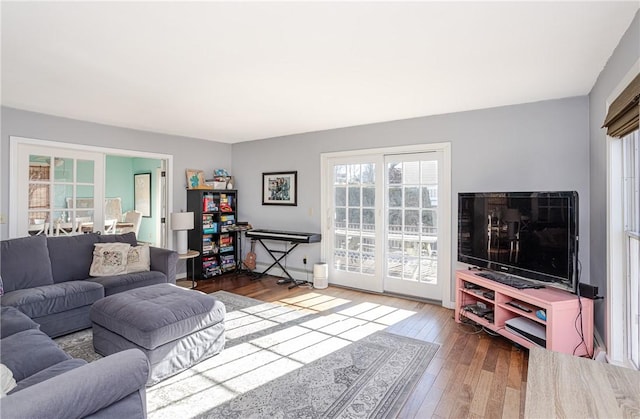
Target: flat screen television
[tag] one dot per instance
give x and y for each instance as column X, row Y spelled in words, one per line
column 533, row 235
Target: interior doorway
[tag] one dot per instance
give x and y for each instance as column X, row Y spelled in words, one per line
column 121, row 171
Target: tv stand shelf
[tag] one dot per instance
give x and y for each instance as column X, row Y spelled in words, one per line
column 562, row 325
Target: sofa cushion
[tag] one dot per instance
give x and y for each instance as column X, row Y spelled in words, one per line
column 30, row 351
column 49, row 372
column 71, row 256
column 7, row 382
column 119, row 283
column 13, row 321
column 138, row 259
column 109, row 259
column 56, row 298
column 25, row 263
column 119, row 238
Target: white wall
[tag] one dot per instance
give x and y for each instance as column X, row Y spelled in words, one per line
column 624, row 56
column 528, row 147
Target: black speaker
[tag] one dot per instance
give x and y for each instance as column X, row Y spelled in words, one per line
column 588, row 291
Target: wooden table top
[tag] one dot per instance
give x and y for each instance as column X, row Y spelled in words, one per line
column 565, row 386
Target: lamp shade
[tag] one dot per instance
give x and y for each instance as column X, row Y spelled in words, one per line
column 182, row 221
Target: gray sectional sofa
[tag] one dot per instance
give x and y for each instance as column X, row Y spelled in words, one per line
column 47, row 278
column 51, row 384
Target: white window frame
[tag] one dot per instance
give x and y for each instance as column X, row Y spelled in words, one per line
column 616, row 300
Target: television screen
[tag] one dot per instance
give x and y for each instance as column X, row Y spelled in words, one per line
column 528, row 234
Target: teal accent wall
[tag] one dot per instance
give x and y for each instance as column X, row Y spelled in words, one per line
column 119, row 183
column 119, row 180
column 148, row 226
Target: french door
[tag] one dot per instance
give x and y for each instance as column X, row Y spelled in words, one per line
column 387, row 218
column 354, row 222
column 60, row 191
column 412, row 197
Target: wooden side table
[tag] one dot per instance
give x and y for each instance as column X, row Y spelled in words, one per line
column 191, row 254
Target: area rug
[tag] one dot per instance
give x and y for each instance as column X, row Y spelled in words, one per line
column 284, row 362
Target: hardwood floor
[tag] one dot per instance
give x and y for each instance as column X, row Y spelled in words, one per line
column 473, row 375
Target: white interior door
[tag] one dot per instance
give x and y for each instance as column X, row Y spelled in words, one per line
column 412, row 230
column 60, row 191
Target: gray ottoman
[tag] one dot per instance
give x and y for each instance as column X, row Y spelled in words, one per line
column 175, row 327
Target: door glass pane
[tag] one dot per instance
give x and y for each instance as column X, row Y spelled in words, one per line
column 368, row 196
column 354, row 196
column 368, row 174
column 340, row 174
column 340, row 252
column 353, row 171
column 85, row 191
column 341, row 217
column 85, row 171
column 394, row 174
column 354, row 218
column 39, row 167
column 412, row 197
column 62, row 169
column 341, row 196
column 38, row 223
column 63, row 196
column 395, row 197
column 38, row 195
column 411, row 221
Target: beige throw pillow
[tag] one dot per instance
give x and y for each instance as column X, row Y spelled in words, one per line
column 109, row 259
column 7, row 382
column 138, row 259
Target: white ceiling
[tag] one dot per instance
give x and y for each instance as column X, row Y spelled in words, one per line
column 237, row 71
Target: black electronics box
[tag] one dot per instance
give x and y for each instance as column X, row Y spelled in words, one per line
column 588, row 291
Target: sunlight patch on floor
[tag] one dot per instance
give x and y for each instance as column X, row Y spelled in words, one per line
column 246, row 366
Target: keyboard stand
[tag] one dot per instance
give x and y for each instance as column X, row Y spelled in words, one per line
column 283, row 254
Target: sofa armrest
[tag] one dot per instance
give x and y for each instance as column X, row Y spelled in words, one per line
column 82, row 391
column 165, row 261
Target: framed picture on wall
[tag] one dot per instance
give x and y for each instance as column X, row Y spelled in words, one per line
column 280, row 188
column 142, row 193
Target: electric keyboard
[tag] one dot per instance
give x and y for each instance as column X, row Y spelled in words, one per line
column 293, row 237
column 288, row 236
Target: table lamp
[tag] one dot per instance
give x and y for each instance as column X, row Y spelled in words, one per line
column 182, row 222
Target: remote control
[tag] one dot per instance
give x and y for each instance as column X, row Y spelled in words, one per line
column 519, row 306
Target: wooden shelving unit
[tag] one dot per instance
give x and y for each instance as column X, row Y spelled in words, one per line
column 569, row 319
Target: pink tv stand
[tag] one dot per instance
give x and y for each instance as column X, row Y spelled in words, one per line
column 562, row 310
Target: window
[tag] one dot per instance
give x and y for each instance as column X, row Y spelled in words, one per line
column 631, row 207
column 623, row 222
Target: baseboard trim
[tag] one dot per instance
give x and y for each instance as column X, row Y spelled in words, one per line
column 599, row 347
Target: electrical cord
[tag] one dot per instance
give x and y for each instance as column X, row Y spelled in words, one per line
column 578, row 324
column 467, row 322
